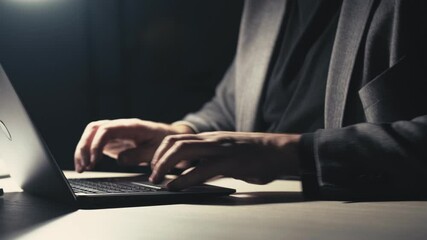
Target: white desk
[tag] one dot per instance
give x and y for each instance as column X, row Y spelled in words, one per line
column 273, row 211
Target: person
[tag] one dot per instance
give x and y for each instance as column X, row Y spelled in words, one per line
column 333, row 92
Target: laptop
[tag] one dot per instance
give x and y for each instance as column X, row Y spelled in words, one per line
column 34, row 169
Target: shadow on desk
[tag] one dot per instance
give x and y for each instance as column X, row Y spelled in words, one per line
column 254, row 198
column 21, row 212
column 237, row 199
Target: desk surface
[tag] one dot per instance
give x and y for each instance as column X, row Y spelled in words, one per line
column 273, row 211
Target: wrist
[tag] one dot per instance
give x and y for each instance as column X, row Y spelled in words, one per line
column 289, row 145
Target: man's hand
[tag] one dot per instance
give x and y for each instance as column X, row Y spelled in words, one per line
column 253, row 157
column 130, row 141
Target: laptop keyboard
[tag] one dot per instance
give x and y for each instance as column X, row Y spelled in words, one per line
column 98, row 186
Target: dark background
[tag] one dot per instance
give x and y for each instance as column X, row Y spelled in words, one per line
column 74, row 61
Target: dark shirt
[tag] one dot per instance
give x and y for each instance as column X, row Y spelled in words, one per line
column 294, row 96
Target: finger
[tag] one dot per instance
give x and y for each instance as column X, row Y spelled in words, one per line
column 103, row 135
column 186, row 149
column 134, row 157
column 200, row 174
column 81, row 154
column 167, row 143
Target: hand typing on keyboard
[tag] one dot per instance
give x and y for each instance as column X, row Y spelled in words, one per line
column 130, row 141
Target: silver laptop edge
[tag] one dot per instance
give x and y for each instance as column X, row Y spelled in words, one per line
column 24, row 151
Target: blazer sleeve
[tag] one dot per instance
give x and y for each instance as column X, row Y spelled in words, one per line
column 370, row 161
column 386, row 157
column 219, row 113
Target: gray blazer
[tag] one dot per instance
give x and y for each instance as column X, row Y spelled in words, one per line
column 375, row 137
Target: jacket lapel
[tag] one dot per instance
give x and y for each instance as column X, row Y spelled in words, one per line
column 260, row 26
column 351, row 27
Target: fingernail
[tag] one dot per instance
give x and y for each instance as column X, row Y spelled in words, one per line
column 154, row 178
